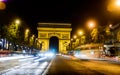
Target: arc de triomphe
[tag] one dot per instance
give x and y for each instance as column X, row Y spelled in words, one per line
column 60, row 30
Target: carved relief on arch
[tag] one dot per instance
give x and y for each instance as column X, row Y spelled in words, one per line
column 54, row 34
column 42, row 35
column 65, row 43
column 65, row 36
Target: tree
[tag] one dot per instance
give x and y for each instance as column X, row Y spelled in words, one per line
column 108, row 35
column 3, row 31
column 101, row 34
column 94, row 34
column 12, row 32
column 32, row 38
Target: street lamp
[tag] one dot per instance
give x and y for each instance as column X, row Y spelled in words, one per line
column 80, row 33
column 71, row 40
column 2, row 5
column 91, row 25
column 110, row 25
column 27, row 30
column 74, row 40
column 17, row 28
column 17, row 21
column 117, row 2
column 74, row 36
column 114, row 6
column 112, row 32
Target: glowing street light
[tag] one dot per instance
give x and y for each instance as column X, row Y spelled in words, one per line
column 117, row 2
column 114, row 6
column 16, row 25
column 2, row 5
column 17, row 21
column 75, row 37
column 80, row 32
column 1, row 0
column 112, row 32
column 110, row 25
column 91, row 24
column 71, row 39
column 27, row 30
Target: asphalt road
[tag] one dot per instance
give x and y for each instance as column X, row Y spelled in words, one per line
column 64, row 65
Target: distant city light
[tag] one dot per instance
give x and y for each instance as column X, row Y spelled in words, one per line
column 91, row 24
column 0, row 42
column 3, row 0
column 71, row 39
column 16, row 45
column 80, row 32
column 114, row 6
column 118, row 2
column 10, row 44
column 2, row 5
column 75, row 37
column 110, row 25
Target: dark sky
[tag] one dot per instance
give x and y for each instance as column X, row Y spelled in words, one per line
column 76, row 12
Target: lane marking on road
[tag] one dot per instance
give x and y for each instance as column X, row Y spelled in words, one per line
column 48, row 67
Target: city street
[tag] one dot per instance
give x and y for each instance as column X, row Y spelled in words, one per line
column 60, row 65
column 65, row 65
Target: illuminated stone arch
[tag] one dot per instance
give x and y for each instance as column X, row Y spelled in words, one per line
column 60, row 30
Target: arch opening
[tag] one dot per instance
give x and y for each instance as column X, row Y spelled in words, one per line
column 54, row 44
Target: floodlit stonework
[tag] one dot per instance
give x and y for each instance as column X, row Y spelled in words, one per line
column 61, row 30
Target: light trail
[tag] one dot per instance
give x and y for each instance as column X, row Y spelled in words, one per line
column 13, row 58
column 36, row 67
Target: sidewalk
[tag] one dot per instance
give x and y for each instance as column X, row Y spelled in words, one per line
column 117, row 59
column 114, row 59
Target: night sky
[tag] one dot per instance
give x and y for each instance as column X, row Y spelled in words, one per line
column 76, row 12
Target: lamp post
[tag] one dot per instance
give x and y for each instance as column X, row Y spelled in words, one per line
column 112, row 33
column 71, row 40
column 80, row 39
column 91, row 25
column 74, row 41
column 17, row 23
